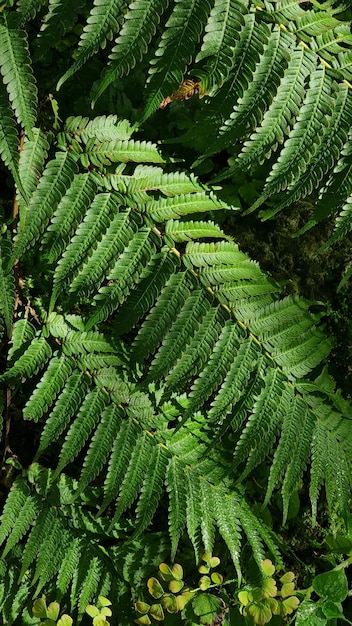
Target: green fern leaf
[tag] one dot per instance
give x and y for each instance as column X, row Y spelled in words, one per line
column 51, row 555
column 61, row 18
column 102, row 23
column 56, row 178
column 102, row 128
column 215, row 370
column 305, row 137
column 65, row 407
column 169, row 208
column 123, row 276
column 165, row 310
column 7, row 284
column 29, row 8
column 15, row 502
column 318, row 464
column 186, row 231
column 100, row 446
column 151, row 490
column 50, row 385
column 277, row 119
column 9, row 138
column 198, row 351
column 31, row 361
column 153, row 278
column 248, row 112
column 120, row 457
column 16, row 70
column 133, row 479
column 90, row 584
column 86, row 420
column 334, row 136
column 299, row 459
column 175, row 483
column 68, row 214
column 31, row 164
column 222, row 30
column 37, row 536
column 235, row 381
column 89, row 231
column 22, row 334
column 108, row 152
column 226, row 512
column 69, row 565
column 141, row 20
column 175, row 50
column 193, row 509
column 182, row 329
column 119, row 232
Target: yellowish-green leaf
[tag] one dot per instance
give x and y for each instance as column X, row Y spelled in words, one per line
column 269, row 588
column 104, row 601
column 177, row 571
column 289, row 605
column 169, row 603
column 142, row 607
column 92, row 610
column 267, row 567
column 287, row 578
column 166, row 572
column 217, row 578
column 176, row 585
column 156, row 611
column 182, row 599
column 154, row 587
column 143, row 621
column 204, row 583
column 204, row 569
column 65, row 620
column 287, row 590
column 243, row 597
column 39, row 607
column 260, row 613
column 53, row 610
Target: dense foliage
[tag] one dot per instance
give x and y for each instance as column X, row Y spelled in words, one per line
column 162, row 394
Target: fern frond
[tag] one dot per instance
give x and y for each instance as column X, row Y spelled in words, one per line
column 89, row 583
column 37, row 536
column 175, row 50
column 221, row 32
column 31, row 164
column 15, row 502
column 100, row 446
column 305, row 137
column 119, row 232
column 22, row 334
column 57, row 176
column 68, row 214
column 102, row 128
column 141, row 20
column 123, row 276
column 184, row 327
column 120, row 457
column 86, row 420
column 175, row 483
column 65, row 407
column 151, row 489
column 277, row 119
column 69, row 565
column 9, row 138
column 102, row 24
column 29, row 8
column 17, row 73
column 170, row 208
column 50, row 385
column 107, row 152
column 89, row 231
column 61, row 18
column 248, row 112
column 165, row 310
column 7, row 284
column 193, row 509
column 186, row 231
column 31, row 361
column 334, row 136
column 134, row 473
column 153, row 278
column 226, row 514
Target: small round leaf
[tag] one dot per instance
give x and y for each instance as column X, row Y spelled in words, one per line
column 155, row 588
